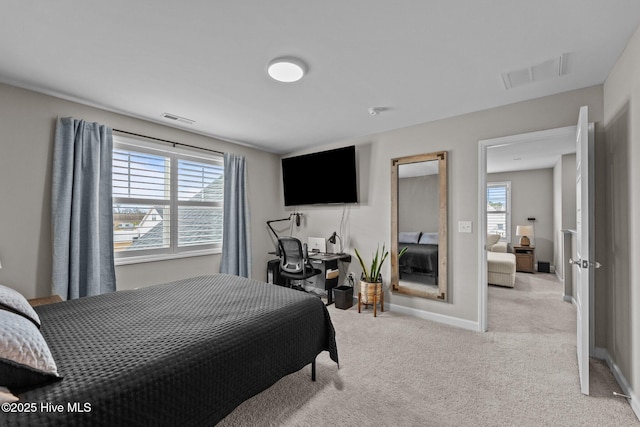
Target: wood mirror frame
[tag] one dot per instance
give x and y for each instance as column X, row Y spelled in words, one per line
column 435, row 281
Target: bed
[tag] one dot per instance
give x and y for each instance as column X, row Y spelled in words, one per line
column 420, row 261
column 183, row 353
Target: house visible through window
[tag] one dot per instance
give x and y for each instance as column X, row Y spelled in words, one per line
column 499, row 209
column 166, row 201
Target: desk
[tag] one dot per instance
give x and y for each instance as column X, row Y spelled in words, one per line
column 329, row 276
column 329, row 272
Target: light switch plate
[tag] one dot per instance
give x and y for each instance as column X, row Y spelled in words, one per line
column 465, row 226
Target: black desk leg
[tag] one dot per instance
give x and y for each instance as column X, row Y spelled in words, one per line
column 330, row 296
column 313, row 370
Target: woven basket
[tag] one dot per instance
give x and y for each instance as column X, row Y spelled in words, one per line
column 368, row 289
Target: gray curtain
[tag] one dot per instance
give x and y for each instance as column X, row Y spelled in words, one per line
column 236, row 237
column 81, row 209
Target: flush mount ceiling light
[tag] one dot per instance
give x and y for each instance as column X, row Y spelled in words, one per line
column 287, row 69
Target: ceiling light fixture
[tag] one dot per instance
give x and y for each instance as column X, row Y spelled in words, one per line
column 287, row 69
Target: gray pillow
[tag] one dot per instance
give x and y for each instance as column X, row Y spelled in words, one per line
column 408, row 237
column 14, row 301
column 25, row 359
column 429, row 239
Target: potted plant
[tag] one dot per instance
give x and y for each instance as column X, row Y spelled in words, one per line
column 371, row 280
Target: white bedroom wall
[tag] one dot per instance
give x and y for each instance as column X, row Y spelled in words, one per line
column 368, row 223
column 27, row 122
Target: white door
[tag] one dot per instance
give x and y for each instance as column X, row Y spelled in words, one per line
column 583, row 265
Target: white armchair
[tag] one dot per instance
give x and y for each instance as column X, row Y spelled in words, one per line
column 494, row 245
column 501, row 261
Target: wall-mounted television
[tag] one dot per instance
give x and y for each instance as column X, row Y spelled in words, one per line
column 321, row 178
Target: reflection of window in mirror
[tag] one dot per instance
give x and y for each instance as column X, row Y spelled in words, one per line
column 499, row 209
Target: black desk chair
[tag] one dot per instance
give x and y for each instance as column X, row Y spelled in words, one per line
column 294, row 260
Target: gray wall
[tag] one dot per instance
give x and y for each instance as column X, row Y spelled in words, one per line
column 564, row 207
column 418, row 204
column 531, row 196
column 622, row 204
column 368, row 224
column 27, row 122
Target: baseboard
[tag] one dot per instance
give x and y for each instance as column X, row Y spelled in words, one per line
column 621, row 380
column 440, row 318
column 558, row 276
column 600, row 353
column 568, row 298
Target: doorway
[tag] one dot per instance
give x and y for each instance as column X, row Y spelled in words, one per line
column 534, row 150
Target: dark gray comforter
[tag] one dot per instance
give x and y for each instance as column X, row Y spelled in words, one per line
column 182, row 353
column 421, row 258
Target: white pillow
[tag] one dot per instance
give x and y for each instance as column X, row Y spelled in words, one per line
column 14, row 301
column 492, row 239
column 25, row 359
column 408, row 237
column 429, row 239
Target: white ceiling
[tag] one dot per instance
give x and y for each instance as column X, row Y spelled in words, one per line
column 535, row 150
column 417, row 60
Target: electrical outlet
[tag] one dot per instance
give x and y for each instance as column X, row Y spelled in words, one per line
column 351, row 278
column 465, row 226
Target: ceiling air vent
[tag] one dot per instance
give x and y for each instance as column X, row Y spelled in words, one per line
column 555, row 67
column 175, row 118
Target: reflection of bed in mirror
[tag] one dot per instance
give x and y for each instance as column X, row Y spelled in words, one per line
column 419, row 223
column 420, row 261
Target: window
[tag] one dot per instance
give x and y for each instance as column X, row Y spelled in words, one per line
column 167, row 203
column 499, row 209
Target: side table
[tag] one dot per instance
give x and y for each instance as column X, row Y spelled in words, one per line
column 525, row 256
column 44, row 300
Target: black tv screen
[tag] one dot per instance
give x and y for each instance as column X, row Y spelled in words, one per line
column 319, row 178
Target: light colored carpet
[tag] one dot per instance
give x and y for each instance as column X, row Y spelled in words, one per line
column 397, row 370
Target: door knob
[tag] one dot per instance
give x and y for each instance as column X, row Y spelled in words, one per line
column 585, row 263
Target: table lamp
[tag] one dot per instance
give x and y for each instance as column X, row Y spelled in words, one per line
column 524, row 231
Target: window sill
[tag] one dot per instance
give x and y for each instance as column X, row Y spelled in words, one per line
column 164, row 257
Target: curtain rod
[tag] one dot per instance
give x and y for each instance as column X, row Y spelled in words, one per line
column 169, row 142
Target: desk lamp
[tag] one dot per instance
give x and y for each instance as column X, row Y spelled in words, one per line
column 332, row 240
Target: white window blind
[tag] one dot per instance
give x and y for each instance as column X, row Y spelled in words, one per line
column 165, row 201
column 200, row 196
column 499, row 209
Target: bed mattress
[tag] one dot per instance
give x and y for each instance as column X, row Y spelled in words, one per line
column 183, row 353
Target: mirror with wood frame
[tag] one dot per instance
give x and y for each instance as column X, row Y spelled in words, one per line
column 419, row 225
